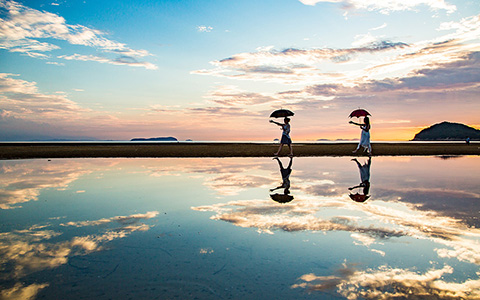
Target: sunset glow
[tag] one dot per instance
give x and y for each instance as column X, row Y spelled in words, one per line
column 209, row 71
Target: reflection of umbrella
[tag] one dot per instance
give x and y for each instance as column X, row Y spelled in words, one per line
column 359, row 113
column 281, row 198
column 280, row 113
column 359, row 198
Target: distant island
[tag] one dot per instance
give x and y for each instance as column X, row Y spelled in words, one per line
column 156, row 139
column 447, row 131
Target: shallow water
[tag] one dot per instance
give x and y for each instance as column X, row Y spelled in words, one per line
column 210, row 228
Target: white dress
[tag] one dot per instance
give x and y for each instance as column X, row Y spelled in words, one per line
column 365, row 139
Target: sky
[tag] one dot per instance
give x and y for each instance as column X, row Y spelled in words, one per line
column 214, row 70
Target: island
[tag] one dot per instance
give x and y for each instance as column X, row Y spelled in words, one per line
column 155, row 139
column 447, row 131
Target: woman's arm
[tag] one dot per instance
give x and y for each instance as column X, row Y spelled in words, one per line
column 358, row 124
column 279, row 124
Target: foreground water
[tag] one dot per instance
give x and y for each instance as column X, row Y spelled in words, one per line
column 392, row 227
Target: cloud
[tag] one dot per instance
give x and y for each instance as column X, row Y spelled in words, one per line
column 379, row 27
column 21, row 99
column 124, row 220
column 451, row 238
column 122, row 60
column 458, row 75
column 293, row 65
column 22, row 291
column 232, row 96
column 203, row 28
column 387, row 7
column 232, row 184
column 267, row 216
column 27, row 251
column 22, row 182
column 392, row 283
column 371, row 59
column 452, row 203
column 22, row 28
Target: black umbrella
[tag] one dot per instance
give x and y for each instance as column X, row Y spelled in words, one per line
column 281, row 198
column 281, row 113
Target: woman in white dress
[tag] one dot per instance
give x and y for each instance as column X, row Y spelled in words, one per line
column 365, row 137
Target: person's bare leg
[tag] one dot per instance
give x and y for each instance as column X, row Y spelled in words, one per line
column 291, row 150
column 358, row 147
column 279, row 149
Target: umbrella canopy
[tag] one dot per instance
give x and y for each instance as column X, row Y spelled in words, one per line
column 359, row 113
column 281, row 198
column 281, row 113
column 359, row 198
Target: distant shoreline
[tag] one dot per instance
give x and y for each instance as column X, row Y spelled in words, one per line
column 37, row 150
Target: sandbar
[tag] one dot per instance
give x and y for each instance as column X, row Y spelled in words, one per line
column 32, row 150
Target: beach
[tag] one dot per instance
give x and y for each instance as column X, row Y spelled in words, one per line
column 32, row 150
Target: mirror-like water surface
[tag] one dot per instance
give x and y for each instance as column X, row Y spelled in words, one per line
column 240, row 228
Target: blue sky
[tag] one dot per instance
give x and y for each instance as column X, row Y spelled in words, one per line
column 213, row 70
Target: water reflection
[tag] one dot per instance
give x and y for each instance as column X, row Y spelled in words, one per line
column 364, row 181
column 285, row 197
column 416, row 237
column 392, row 283
column 34, row 249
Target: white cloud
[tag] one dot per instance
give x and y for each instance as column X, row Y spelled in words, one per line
column 22, row 28
column 228, row 95
column 370, row 58
column 203, row 28
column 364, row 39
column 380, row 27
column 29, row 251
column 22, row 99
column 123, row 60
column 387, row 6
column 125, row 220
column 392, row 283
column 21, row 291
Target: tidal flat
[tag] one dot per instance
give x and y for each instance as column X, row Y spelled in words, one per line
column 24, row 150
column 211, row 228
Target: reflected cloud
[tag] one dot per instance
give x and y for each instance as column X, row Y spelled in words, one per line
column 227, row 178
column 21, row 291
column 447, row 202
column 22, row 182
column 368, row 224
column 268, row 216
column 23, row 252
column 27, row 250
column 231, row 184
column 124, row 220
column 392, row 283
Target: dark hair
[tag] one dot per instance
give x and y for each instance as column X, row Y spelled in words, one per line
column 286, row 119
column 367, row 120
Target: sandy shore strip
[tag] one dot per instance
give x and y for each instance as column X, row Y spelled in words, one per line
column 101, row 149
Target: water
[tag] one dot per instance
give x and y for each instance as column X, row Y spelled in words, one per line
column 210, row 228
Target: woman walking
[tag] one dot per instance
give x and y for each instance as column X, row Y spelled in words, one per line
column 286, row 140
column 365, row 136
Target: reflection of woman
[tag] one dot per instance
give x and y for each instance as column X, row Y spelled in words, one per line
column 365, row 181
column 365, row 136
column 285, row 197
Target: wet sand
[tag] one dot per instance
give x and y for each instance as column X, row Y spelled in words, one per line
column 142, row 149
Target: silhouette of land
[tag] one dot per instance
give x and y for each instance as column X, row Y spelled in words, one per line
column 157, row 139
column 27, row 150
column 447, row 131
